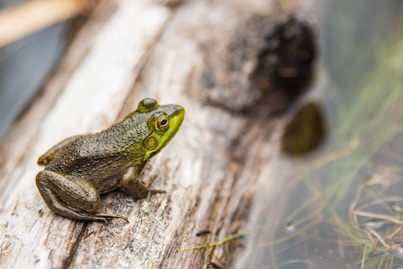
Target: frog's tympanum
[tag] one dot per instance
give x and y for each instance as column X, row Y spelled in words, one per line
column 80, row 168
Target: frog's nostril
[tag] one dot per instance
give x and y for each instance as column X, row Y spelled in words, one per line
column 179, row 110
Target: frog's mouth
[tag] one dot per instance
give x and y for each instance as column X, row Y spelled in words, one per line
column 176, row 115
column 159, row 139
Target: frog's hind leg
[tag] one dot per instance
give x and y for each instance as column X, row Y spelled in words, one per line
column 72, row 198
column 49, row 155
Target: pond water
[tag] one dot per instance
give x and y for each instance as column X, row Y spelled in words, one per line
column 340, row 206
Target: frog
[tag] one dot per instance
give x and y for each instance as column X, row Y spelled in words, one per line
column 80, row 168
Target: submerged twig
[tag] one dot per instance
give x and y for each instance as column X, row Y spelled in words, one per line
column 378, row 216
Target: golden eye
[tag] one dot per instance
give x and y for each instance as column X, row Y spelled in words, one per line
column 162, row 123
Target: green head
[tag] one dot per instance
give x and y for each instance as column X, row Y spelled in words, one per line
column 163, row 123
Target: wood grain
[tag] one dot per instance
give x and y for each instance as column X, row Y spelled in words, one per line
column 211, row 170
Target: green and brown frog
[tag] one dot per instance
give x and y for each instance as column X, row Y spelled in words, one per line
column 80, row 168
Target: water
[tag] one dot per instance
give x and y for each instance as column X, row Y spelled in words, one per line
column 340, row 205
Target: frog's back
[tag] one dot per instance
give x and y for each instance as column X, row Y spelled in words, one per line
column 83, row 159
column 102, row 154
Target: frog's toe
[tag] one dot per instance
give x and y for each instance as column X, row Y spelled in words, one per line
column 153, row 191
column 150, row 181
column 107, row 216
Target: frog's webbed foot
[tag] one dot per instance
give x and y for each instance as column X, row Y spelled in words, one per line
column 148, row 183
column 98, row 216
column 134, row 187
column 101, row 216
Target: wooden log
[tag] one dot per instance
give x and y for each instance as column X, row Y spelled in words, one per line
column 212, row 170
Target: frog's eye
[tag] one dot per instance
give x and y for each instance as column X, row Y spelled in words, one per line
column 147, row 104
column 162, row 123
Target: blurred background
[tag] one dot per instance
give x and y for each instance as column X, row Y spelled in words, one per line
column 32, row 37
column 344, row 201
column 343, row 196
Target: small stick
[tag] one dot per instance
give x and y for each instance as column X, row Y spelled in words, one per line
column 22, row 20
column 378, row 216
column 213, row 244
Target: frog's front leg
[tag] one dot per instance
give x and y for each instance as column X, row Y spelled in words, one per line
column 132, row 185
column 71, row 197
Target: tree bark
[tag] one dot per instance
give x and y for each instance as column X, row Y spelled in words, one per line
column 211, row 170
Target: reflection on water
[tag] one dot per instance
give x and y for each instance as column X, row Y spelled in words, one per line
column 341, row 207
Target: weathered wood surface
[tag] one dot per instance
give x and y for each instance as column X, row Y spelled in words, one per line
column 213, row 170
